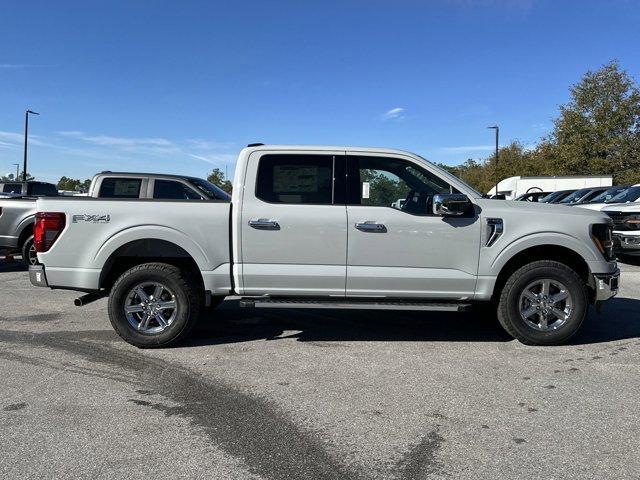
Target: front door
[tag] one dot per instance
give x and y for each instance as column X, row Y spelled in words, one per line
column 396, row 246
column 294, row 224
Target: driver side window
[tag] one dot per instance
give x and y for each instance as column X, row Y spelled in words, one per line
column 393, row 183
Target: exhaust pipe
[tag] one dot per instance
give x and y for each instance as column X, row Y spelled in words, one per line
column 88, row 298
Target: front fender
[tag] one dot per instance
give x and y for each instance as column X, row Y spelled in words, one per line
column 587, row 251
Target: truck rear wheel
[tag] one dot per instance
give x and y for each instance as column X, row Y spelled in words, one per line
column 543, row 303
column 154, row 305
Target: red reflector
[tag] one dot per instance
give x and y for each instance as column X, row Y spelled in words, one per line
column 47, row 229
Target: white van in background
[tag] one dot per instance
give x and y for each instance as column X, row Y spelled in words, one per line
column 513, row 187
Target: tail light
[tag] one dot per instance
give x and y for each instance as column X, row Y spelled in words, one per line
column 47, row 229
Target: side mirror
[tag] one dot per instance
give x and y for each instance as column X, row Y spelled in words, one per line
column 451, row 204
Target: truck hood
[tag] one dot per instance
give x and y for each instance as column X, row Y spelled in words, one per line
column 493, row 207
column 633, row 207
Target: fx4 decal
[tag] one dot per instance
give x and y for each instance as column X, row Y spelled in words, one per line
column 91, row 218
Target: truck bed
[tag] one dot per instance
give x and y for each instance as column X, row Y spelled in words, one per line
column 98, row 229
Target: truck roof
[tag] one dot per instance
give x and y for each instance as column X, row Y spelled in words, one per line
column 328, row 148
column 145, row 174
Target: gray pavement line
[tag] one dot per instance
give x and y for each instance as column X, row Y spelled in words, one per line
column 247, row 427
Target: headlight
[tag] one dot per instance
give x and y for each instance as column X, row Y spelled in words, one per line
column 632, row 222
column 601, row 234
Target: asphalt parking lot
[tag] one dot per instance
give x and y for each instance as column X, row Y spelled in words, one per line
column 314, row 394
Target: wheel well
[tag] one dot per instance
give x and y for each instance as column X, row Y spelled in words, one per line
column 145, row 251
column 556, row 253
column 26, row 233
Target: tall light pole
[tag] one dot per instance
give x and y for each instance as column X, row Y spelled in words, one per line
column 17, row 170
column 497, row 129
column 26, row 134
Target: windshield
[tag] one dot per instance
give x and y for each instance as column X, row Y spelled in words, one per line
column 210, row 190
column 575, row 196
column 449, row 176
column 608, row 194
column 629, row 195
column 553, row 196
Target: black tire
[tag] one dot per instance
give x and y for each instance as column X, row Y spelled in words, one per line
column 187, row 298
column 28, row 252
column 509, row 309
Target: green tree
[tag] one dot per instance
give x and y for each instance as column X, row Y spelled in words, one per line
column 596, row 133
column 12, row 178
column 598, row 130
column 73, row 184
column 217, row 177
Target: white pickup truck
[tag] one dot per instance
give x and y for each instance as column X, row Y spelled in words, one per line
column 313, row 227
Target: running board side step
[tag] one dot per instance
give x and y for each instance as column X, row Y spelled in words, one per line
column 353, row 304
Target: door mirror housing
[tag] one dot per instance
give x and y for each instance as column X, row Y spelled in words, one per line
column 451, row 204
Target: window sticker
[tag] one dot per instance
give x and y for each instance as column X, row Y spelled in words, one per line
column 366, row 189
column 295, row 178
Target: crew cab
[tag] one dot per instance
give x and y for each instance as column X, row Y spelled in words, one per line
column 17, row 214
column 314, row 227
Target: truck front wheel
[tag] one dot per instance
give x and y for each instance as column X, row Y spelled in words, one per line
column 154, row 305
column 543, row 303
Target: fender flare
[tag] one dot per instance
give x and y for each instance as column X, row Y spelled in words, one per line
column 152, row 232
column 541, row 239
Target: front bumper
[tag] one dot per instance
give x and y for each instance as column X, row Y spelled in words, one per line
column 606, row 285
column 626, row 242
column 37, row 276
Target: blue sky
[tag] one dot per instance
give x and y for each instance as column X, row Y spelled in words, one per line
column 182, row 86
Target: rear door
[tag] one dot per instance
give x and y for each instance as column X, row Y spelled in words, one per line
column 396, row 246
column 294, row 224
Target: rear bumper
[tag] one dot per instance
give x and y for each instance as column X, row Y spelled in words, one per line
column 37, row 276
column 606, row 285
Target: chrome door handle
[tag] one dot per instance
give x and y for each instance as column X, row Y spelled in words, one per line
column 264, row 224
column 371, row 227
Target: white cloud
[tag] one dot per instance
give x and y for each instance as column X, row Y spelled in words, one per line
column 19, row 66
column 216, row 158
column 202, row 144
column 468, row 149
column 396, row 113
column 15, row 138
column 107, row 140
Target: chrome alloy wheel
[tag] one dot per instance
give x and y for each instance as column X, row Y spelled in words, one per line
column 150, row 307
column 545, row 304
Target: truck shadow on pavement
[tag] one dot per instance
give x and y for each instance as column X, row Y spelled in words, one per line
column 15, row 266
column 231, row 324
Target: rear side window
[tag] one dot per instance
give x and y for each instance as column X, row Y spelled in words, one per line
column 42, row 189
column 15, row 188
column 120, row 188
column 170, row 190
column 302, row 179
